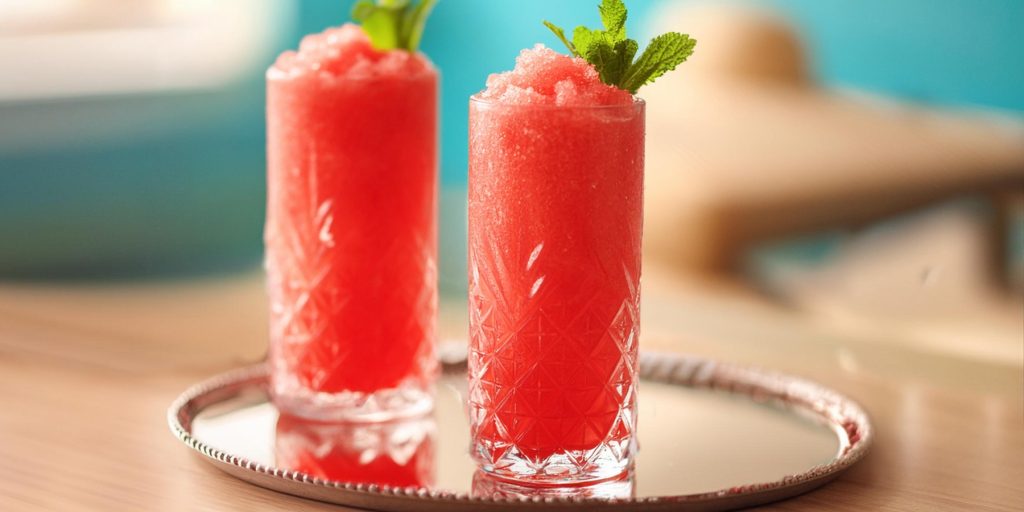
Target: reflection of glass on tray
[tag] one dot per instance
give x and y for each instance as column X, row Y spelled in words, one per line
column 399, row 454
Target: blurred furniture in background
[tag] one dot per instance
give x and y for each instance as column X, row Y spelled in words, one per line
column 745, row 151
column 131, row 135
column 746, row 148
column 80, row 48
column 920, row 281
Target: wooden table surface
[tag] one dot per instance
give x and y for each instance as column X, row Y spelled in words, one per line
column 88, row 371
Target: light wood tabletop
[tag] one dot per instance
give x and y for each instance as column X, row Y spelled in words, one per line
column 87, row 373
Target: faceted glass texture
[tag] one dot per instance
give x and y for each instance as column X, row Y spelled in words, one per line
column 351, row 244
column 555, row 222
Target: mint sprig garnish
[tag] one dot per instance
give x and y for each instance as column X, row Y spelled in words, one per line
column 612, row 53
column 393, row 24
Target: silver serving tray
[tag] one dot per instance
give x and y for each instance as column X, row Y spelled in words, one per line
column 713, row 436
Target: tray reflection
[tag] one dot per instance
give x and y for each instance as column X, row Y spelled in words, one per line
column 692, row 441
column 399, row 454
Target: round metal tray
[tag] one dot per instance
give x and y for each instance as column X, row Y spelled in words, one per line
column 713, row 436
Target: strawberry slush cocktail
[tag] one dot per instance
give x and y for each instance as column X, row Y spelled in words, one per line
column 351, row 232
column 555, row 214
column 555, row 225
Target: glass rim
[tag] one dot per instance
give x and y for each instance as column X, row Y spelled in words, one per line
column 276, row 74
column 638, row 102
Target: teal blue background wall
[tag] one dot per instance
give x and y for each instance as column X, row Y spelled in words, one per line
column 954, row 52
column 173, row 183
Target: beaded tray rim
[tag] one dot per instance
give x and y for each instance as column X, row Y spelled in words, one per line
column 845, row 417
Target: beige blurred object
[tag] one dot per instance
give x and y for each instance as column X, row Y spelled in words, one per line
column 84, row 48
column 743, row 147
column 918, row 281
column 742, row 45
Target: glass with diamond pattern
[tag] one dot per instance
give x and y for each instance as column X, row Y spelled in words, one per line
column 351, row 233
column 555, row 222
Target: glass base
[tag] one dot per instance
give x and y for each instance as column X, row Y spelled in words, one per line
column 617, row 488
column 608, row 461
column 403, row 402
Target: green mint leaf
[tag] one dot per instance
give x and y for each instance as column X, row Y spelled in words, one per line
column 560, row 34
column 382, row 26
column 664, row 54
column 613, row 16
column 625, row 50
column 415, row 21
column 393, row 24
column 610, row 61
column 583, row 39
column 602, row 56
column 362, row 10
column 612, row 53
